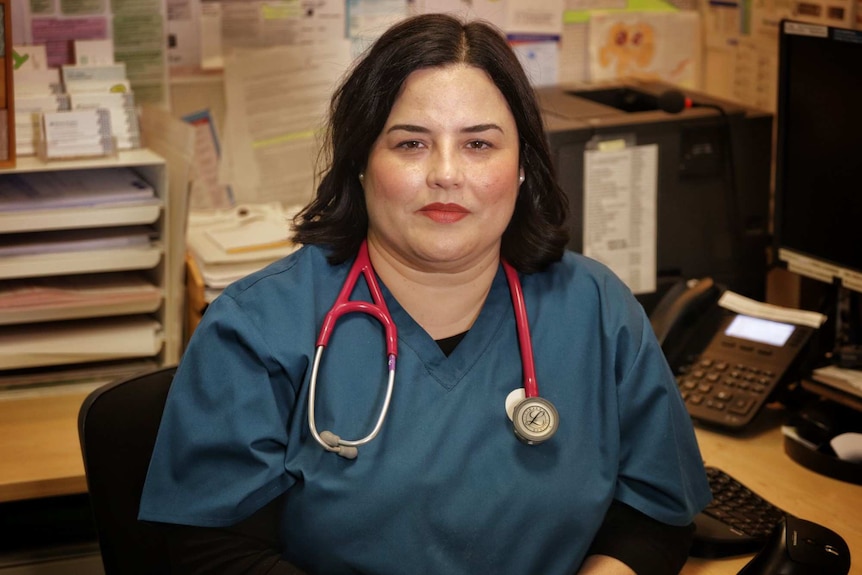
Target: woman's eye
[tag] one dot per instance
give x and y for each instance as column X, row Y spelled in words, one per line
column 410, row 145
column 478, row 145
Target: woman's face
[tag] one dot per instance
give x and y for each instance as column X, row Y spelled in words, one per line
column 443, row 175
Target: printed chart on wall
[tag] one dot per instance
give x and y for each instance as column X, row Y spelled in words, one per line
column 620, row 211
column 649, row 45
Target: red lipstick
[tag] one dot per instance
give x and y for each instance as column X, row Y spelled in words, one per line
column 444, row 213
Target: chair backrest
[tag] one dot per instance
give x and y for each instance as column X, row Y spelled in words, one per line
column 117, row 427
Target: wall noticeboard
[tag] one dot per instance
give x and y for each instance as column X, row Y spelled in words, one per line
column 7, row 93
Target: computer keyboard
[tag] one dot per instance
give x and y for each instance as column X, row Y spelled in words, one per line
column 736, row 522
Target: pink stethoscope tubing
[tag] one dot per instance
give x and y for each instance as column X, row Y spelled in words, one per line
column 531, row 388
column 378, row 309
column 343, row 305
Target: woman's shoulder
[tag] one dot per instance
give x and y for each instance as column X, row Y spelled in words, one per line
column 579, row 272
column 305, row 266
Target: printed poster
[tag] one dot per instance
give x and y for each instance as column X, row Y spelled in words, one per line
column 648, row 45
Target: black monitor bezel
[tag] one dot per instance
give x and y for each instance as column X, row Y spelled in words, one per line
column 812, row 265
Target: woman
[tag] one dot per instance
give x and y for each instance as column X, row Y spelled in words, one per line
column 439, row 171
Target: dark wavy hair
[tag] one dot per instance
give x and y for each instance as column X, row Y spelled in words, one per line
column 337, row 217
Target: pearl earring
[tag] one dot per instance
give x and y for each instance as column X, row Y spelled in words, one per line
column 361, row 176
column 521, row 178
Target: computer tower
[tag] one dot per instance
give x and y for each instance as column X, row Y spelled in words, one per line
column 713, row 175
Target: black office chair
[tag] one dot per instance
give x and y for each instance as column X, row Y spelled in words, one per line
column 117, row 427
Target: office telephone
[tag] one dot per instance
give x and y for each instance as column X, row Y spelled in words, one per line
column 727, row 365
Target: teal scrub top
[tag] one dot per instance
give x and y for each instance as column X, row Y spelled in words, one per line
column 445, row 487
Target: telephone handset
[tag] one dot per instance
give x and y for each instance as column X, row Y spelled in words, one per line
column 727, row 364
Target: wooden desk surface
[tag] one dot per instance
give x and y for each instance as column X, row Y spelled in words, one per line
column 39, row 451
column 760, row 463
column 40, row 457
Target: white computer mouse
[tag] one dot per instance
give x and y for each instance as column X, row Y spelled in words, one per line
column 848, row 446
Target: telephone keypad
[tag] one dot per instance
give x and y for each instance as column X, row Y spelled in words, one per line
column 723, row 389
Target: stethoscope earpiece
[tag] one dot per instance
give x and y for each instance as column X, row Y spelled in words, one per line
column 333, row 443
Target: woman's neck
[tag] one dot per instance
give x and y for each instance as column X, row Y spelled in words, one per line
column 444, row 303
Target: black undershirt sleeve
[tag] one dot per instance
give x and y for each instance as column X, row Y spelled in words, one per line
column 648, row 546
column 250, row 547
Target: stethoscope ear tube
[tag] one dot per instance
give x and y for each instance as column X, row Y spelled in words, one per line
column 328, row 440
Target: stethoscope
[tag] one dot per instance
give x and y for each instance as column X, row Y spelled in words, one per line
column 534, row 418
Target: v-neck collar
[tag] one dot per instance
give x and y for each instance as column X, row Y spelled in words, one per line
column 448, row 371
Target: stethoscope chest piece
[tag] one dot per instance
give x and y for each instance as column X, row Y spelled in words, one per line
column 534, row 419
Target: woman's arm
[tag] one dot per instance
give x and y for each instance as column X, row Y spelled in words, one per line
column 251, row 547
column 604, row 565
column 631, row 542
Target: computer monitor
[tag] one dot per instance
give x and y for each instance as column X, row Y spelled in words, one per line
column 818, row 180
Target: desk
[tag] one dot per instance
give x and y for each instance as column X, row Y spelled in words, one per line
column 760, row 463
column 41, row 457
column 39, row 451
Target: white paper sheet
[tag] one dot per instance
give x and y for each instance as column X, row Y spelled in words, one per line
column 276, row 101
column 620, row 195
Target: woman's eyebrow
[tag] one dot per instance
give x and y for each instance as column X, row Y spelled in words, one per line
column 407, row 128
column 420, row 129
column 481, row 128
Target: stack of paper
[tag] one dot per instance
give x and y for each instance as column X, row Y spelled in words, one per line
column 843, row 379
column 229, row 244
column 105, row 86
column 67, row 342
column 61, row 241
column 37, row 89
column 68, row 199
column 121, row 107
column 28, row 114
column 91, row 105
column 73, row 188
column 93, row 295
column 76, row 134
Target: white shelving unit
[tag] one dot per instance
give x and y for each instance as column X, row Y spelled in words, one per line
column 116, row 337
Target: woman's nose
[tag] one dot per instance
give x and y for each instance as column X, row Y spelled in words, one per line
column 445, row 169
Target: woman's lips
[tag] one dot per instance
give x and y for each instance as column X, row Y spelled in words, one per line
column 444, row 213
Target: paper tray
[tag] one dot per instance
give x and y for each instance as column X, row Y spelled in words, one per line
column 79, row 341
column 83, row 217
column 90, row 261
column 84, row 310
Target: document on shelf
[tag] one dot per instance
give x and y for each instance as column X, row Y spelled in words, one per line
column 252, row 232
column 72, row 188
column 77, row 133
column 747, row 306
column 847, row 380
column 79, row 341
column 59, row 241
column 229, row 244
column 43, row 299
